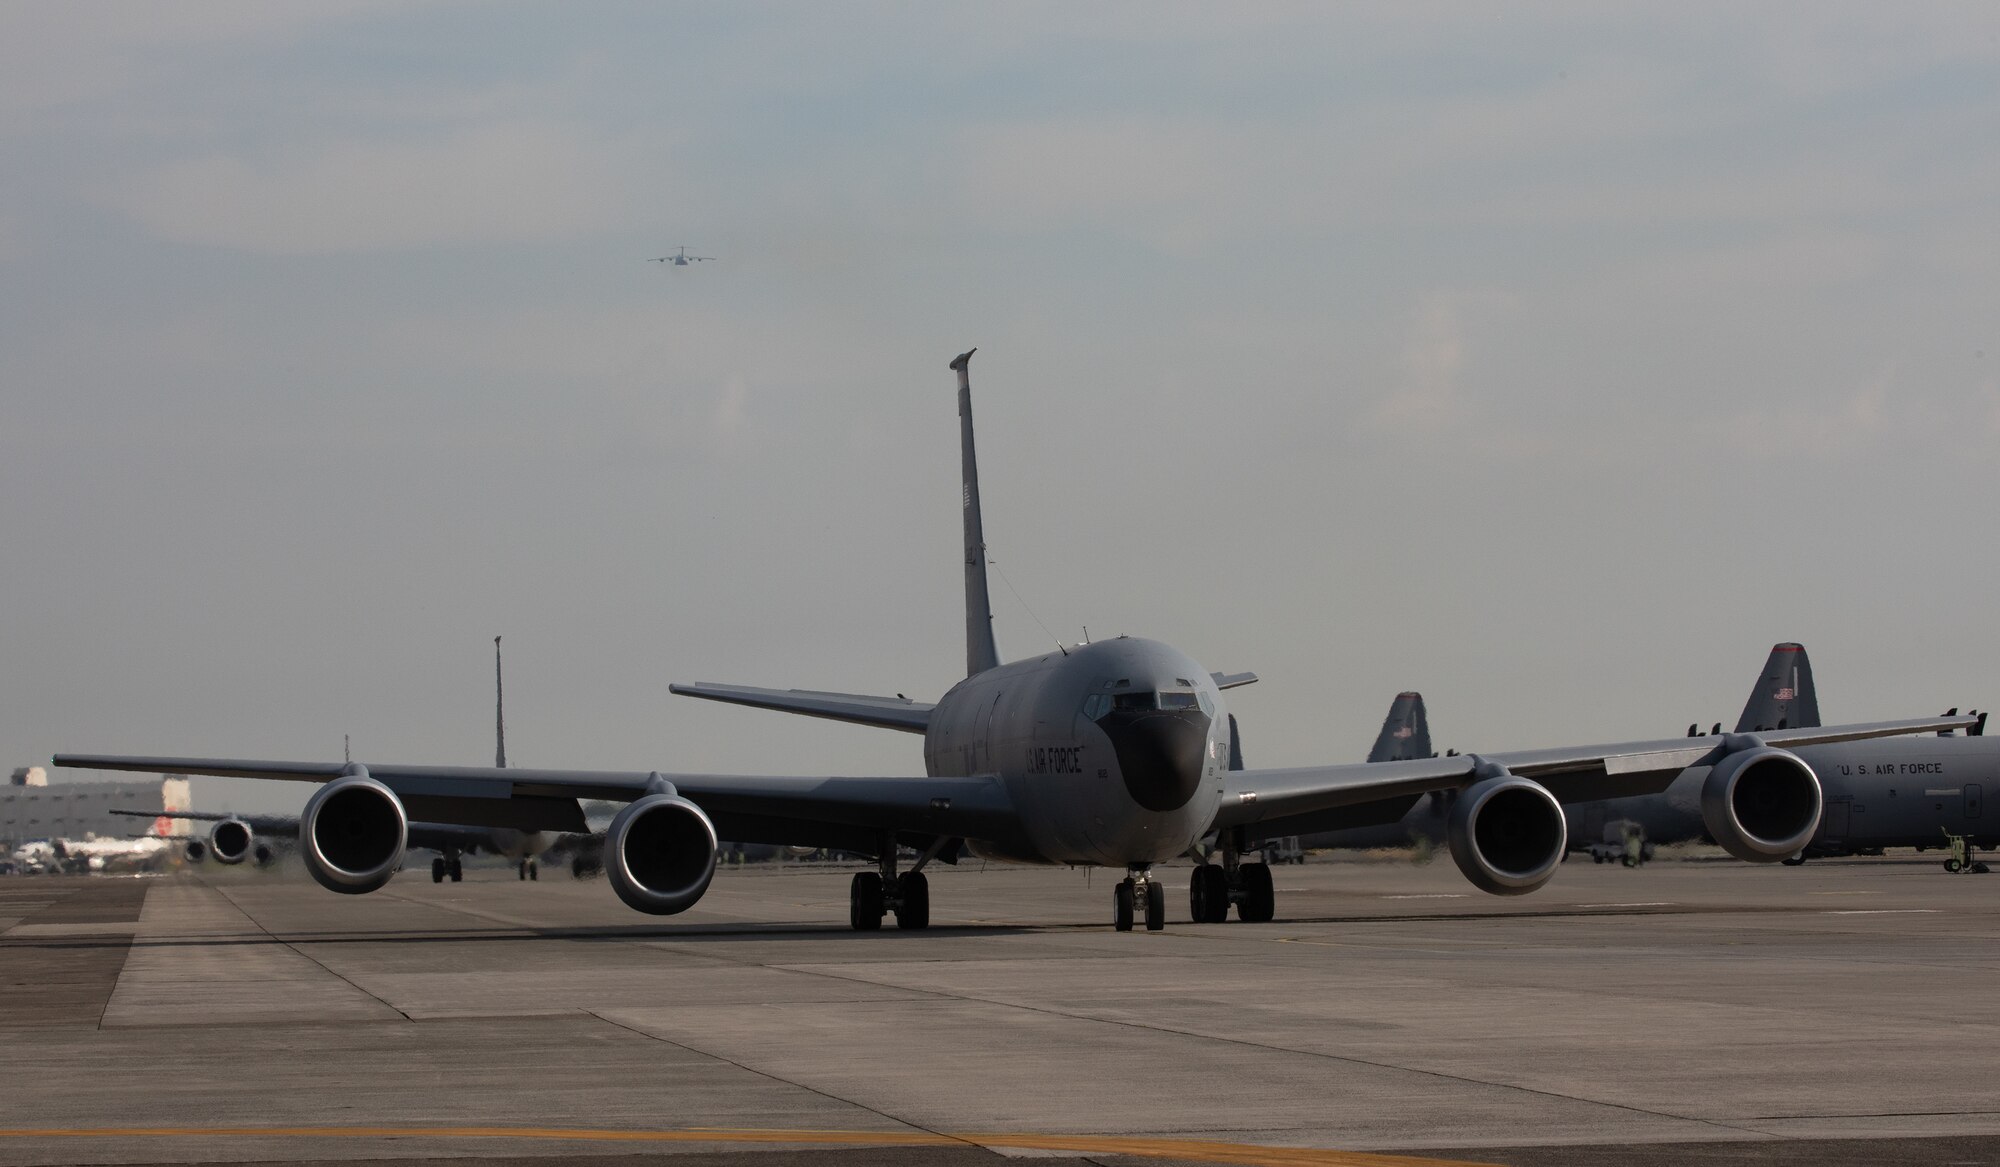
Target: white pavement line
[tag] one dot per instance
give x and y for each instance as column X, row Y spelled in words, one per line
column 1640, row 904
column 1882, row 912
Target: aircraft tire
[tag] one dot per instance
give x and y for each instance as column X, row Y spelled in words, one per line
column 437, row 871
column 456, row 871
column 534, row 871
column 1260, row 899
column 1951, row 865
column 1793, row 861
column 864, row 901
column 521, row 871
column 1208, row 894
column 915, row 912
column 1121, row 906
column 1156, row 906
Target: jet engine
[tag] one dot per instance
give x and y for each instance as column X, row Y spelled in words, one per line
column 1507, row 834
column 352, row 833
column 659, row 854
column 196, row 850
column 1761, row 803
column 230, row 841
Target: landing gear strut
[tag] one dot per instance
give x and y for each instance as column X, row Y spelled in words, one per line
column 529, row 869
column 1136, row 889
column 874, row 894
column 446, row 866
column 1214, row 887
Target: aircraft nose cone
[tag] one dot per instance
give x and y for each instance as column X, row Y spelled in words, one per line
column 1159, row 753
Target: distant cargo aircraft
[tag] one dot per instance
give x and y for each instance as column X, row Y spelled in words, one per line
column 1912, row 795
column 1406, row 732
column 1111, row 754
column 681, row 258
column 1901, row 792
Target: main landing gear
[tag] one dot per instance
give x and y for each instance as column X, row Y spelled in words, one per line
column 874, row 894
column 1213, row 887
column 529, row 869
column 442, row 867
column 1136, row 888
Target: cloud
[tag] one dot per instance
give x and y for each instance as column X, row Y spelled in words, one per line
column 1428, row 400
column 520, row 182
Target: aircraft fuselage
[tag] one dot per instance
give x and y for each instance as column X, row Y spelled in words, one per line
column 1113, row 752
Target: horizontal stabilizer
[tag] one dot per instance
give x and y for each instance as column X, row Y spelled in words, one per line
column 1232, row 680
column 897, row 712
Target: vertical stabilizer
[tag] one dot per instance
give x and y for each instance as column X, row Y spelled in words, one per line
column 499, row 711
column 980, row 652
column 1406, row 732
column 1784, row 697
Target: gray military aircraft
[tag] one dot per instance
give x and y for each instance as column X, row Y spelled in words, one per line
column 1406, row 732
column 681, row 258
column 1908, row 793
column 1110, row 754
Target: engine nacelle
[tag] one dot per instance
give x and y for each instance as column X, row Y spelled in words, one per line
column 1761, row 803
column 352, row 833
column 659, row 854
column 1507, row 834
column 196, row 850
column 230, row 841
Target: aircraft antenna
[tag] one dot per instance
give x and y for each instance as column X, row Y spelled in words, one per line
column 980, row 651
column 346, row 752
column 1025, row 607
column 499, row 711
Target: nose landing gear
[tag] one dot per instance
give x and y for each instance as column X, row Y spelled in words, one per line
column 1139, row 887
column 529, row 869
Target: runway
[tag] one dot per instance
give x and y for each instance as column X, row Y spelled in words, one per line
column 1694, row 1011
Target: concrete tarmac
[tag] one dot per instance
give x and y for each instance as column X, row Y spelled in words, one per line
column 1695, row 1011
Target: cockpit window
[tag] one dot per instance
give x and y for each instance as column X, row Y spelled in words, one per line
column 1124, row 701
column 1177, row 701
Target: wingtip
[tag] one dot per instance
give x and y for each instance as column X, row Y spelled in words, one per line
column 964, row 359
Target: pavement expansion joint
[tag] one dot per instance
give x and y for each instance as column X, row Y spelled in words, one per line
column 1176, row 1149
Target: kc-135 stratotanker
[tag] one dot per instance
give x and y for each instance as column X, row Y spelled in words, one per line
column 1116, row 754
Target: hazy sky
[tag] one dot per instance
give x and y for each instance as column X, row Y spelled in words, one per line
column 1553, row 360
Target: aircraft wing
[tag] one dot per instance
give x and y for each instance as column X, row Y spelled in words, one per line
column 849, row 813
column 1363, row 793
column 262, row 824
column 887, row 712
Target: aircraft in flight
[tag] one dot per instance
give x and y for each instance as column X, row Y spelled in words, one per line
column 681, row 258
column 1114, row 753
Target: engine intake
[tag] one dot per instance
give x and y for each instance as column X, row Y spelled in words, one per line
column 352, row 833
column 1761, row 803
column 660, row 854
column 1507, row 834
column 196, row 850
column 229, row 842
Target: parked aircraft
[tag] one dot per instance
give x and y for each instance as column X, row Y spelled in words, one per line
column 1112, row 754
column 1872, row 794
column 1406, row 732
column 1913, row 795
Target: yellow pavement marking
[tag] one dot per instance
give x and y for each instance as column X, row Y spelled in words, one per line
column 1200, row 1150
